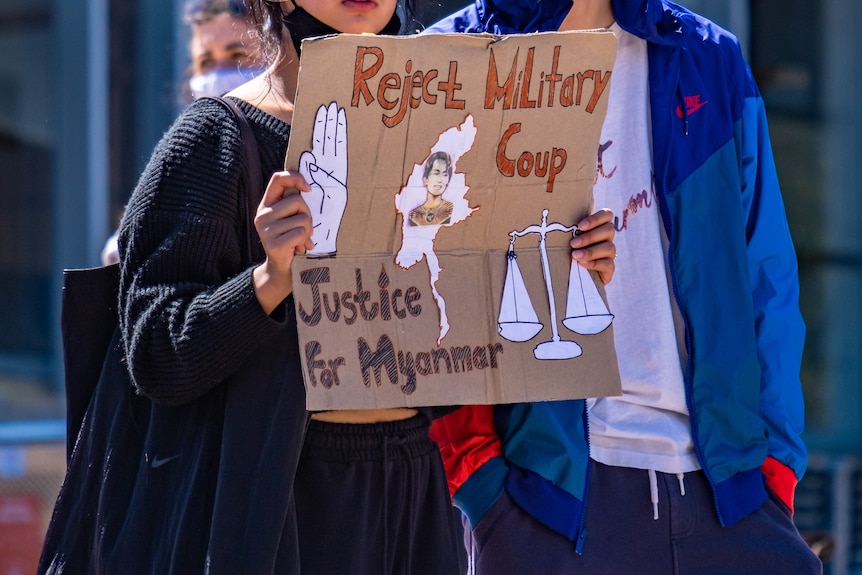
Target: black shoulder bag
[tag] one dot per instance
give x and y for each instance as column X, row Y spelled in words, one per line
column 204, row 487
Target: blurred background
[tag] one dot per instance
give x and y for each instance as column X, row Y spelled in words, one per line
column 88, row 87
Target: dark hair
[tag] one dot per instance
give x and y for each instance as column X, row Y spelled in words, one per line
column 267, row 17
column 197, row 12
column 438, row 156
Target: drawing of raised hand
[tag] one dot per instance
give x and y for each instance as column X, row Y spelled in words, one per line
column 325, row 170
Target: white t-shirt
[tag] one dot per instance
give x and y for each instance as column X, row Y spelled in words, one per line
column 648, row 426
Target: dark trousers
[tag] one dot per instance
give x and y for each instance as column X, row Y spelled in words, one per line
column 623, row 538
column 372, row 500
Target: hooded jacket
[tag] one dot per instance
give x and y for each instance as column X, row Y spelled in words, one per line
column 733, row 274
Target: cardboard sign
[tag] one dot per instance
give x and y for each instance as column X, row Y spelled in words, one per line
column 448, row 173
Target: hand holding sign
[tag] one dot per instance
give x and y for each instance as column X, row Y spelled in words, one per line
column 325, row 169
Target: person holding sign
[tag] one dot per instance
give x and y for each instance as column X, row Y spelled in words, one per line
column 347, row 492
column 693, row 468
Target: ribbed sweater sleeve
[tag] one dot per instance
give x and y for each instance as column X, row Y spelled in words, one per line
column 189, row 314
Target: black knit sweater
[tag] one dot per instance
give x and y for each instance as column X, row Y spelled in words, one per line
column 189, row 314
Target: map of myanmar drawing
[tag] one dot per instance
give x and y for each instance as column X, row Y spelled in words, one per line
column 435, row 183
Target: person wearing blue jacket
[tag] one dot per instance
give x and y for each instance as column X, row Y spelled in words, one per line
column 693, row 468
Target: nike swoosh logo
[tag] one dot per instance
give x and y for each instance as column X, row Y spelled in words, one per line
column 158, row 462
column 691, row 109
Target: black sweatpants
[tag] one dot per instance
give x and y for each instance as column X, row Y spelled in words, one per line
column 371, row 499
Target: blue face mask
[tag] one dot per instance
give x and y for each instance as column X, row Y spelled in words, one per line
column 220, row 81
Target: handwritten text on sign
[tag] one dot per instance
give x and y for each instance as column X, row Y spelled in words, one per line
column 523, row 86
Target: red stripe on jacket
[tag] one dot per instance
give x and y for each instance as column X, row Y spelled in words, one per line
column 467, row 440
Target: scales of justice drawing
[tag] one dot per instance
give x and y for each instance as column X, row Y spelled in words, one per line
column 586, row 312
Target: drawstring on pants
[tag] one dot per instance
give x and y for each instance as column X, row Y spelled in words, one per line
column 653, row 489
column 653, row 492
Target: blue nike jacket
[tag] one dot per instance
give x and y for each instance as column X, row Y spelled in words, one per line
column 734, row 277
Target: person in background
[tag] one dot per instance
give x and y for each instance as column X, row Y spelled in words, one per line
column 224, row 50
column 691, row 470
column 223, row 47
